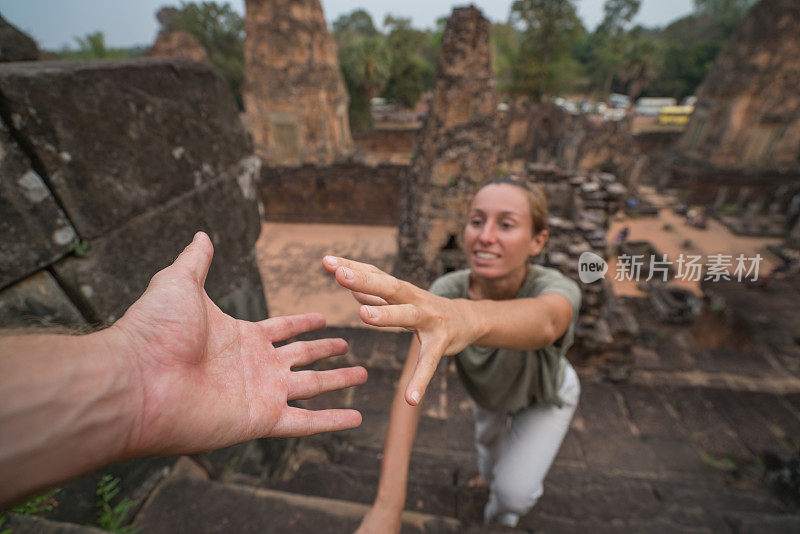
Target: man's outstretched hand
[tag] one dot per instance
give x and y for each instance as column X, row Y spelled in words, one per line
column 204, row 380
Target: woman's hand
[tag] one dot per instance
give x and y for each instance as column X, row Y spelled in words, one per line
column 443, row 326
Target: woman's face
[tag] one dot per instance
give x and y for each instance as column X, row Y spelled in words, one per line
column 498, row 238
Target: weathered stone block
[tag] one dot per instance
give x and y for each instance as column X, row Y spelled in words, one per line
column 15, row 45
column 116, row 138
column 37, row 301
column 118, row 266
column 34, row 230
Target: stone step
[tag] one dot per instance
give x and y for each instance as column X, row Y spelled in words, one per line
column 376, row 349
column 576, row 496
column 23, row 524
column 190, row 505
column 352, row 473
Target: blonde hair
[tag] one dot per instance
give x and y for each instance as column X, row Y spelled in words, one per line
column 537, row 201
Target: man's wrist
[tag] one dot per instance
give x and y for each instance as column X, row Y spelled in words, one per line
column 121, row 351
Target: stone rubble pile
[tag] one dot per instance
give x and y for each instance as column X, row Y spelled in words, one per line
column 581, row 207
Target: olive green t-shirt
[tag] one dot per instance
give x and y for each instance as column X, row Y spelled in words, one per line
column 509, row 380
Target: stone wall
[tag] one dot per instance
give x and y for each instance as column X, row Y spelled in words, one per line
column 545, row 134
column 747, row 111
column 456, row 151
column 386, row 143
column 108, row 169
column 740, row 154
column 294, row 94
column 342, row 193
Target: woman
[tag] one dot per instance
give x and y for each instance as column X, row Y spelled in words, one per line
column 509, row 323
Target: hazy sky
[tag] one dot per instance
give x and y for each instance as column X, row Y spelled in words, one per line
column 55, row 23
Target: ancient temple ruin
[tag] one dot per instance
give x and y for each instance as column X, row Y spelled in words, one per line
column 174, row 42
column 294, row 94
column 741, row 150
column 455, row 152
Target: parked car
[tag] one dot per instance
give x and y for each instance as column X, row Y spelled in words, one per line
column 650, row 106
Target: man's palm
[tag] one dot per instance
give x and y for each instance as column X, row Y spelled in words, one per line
column 209, row 380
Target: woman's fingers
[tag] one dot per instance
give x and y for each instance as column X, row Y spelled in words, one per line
column 430, row 353
column 282, row 328
column 400, row 315
column 331, row 263
column 295, row 422
column 376, row 283
column 370, row 300
column 301, row 353
column 307, row 384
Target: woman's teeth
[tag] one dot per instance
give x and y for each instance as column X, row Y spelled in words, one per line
column 486, row 255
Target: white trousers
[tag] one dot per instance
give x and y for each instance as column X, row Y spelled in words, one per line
column 515, row 450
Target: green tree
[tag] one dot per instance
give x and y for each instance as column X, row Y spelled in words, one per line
column 641, row 65
column 93, row 47
column 549, row 29
column 727, row 13
column 410, row 69
column 354, row 25
column 612, row 46
column 220, row 30
column 365, row 67
column 617, row 16
column 94, row 44
column 684, row 67
column 505, row 42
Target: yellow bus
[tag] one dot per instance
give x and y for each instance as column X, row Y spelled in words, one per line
column 678, row 115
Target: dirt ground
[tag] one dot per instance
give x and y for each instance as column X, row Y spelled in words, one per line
column 290, row 262
column 716, row 239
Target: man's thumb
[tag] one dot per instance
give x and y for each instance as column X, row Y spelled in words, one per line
column 197, row 256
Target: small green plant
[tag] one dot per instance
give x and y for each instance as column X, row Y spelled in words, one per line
column 730, row 209
column 723, row 464
column 232, row 463
column 79, row 248
column 716, row 306
column 33, row 506
column 111, row 518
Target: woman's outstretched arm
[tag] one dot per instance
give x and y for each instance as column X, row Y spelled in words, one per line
column 384, row 516
column 446, row 326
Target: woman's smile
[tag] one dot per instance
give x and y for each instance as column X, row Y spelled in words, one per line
column 486, row 256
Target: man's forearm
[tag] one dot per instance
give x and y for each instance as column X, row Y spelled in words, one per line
column 66, row 409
